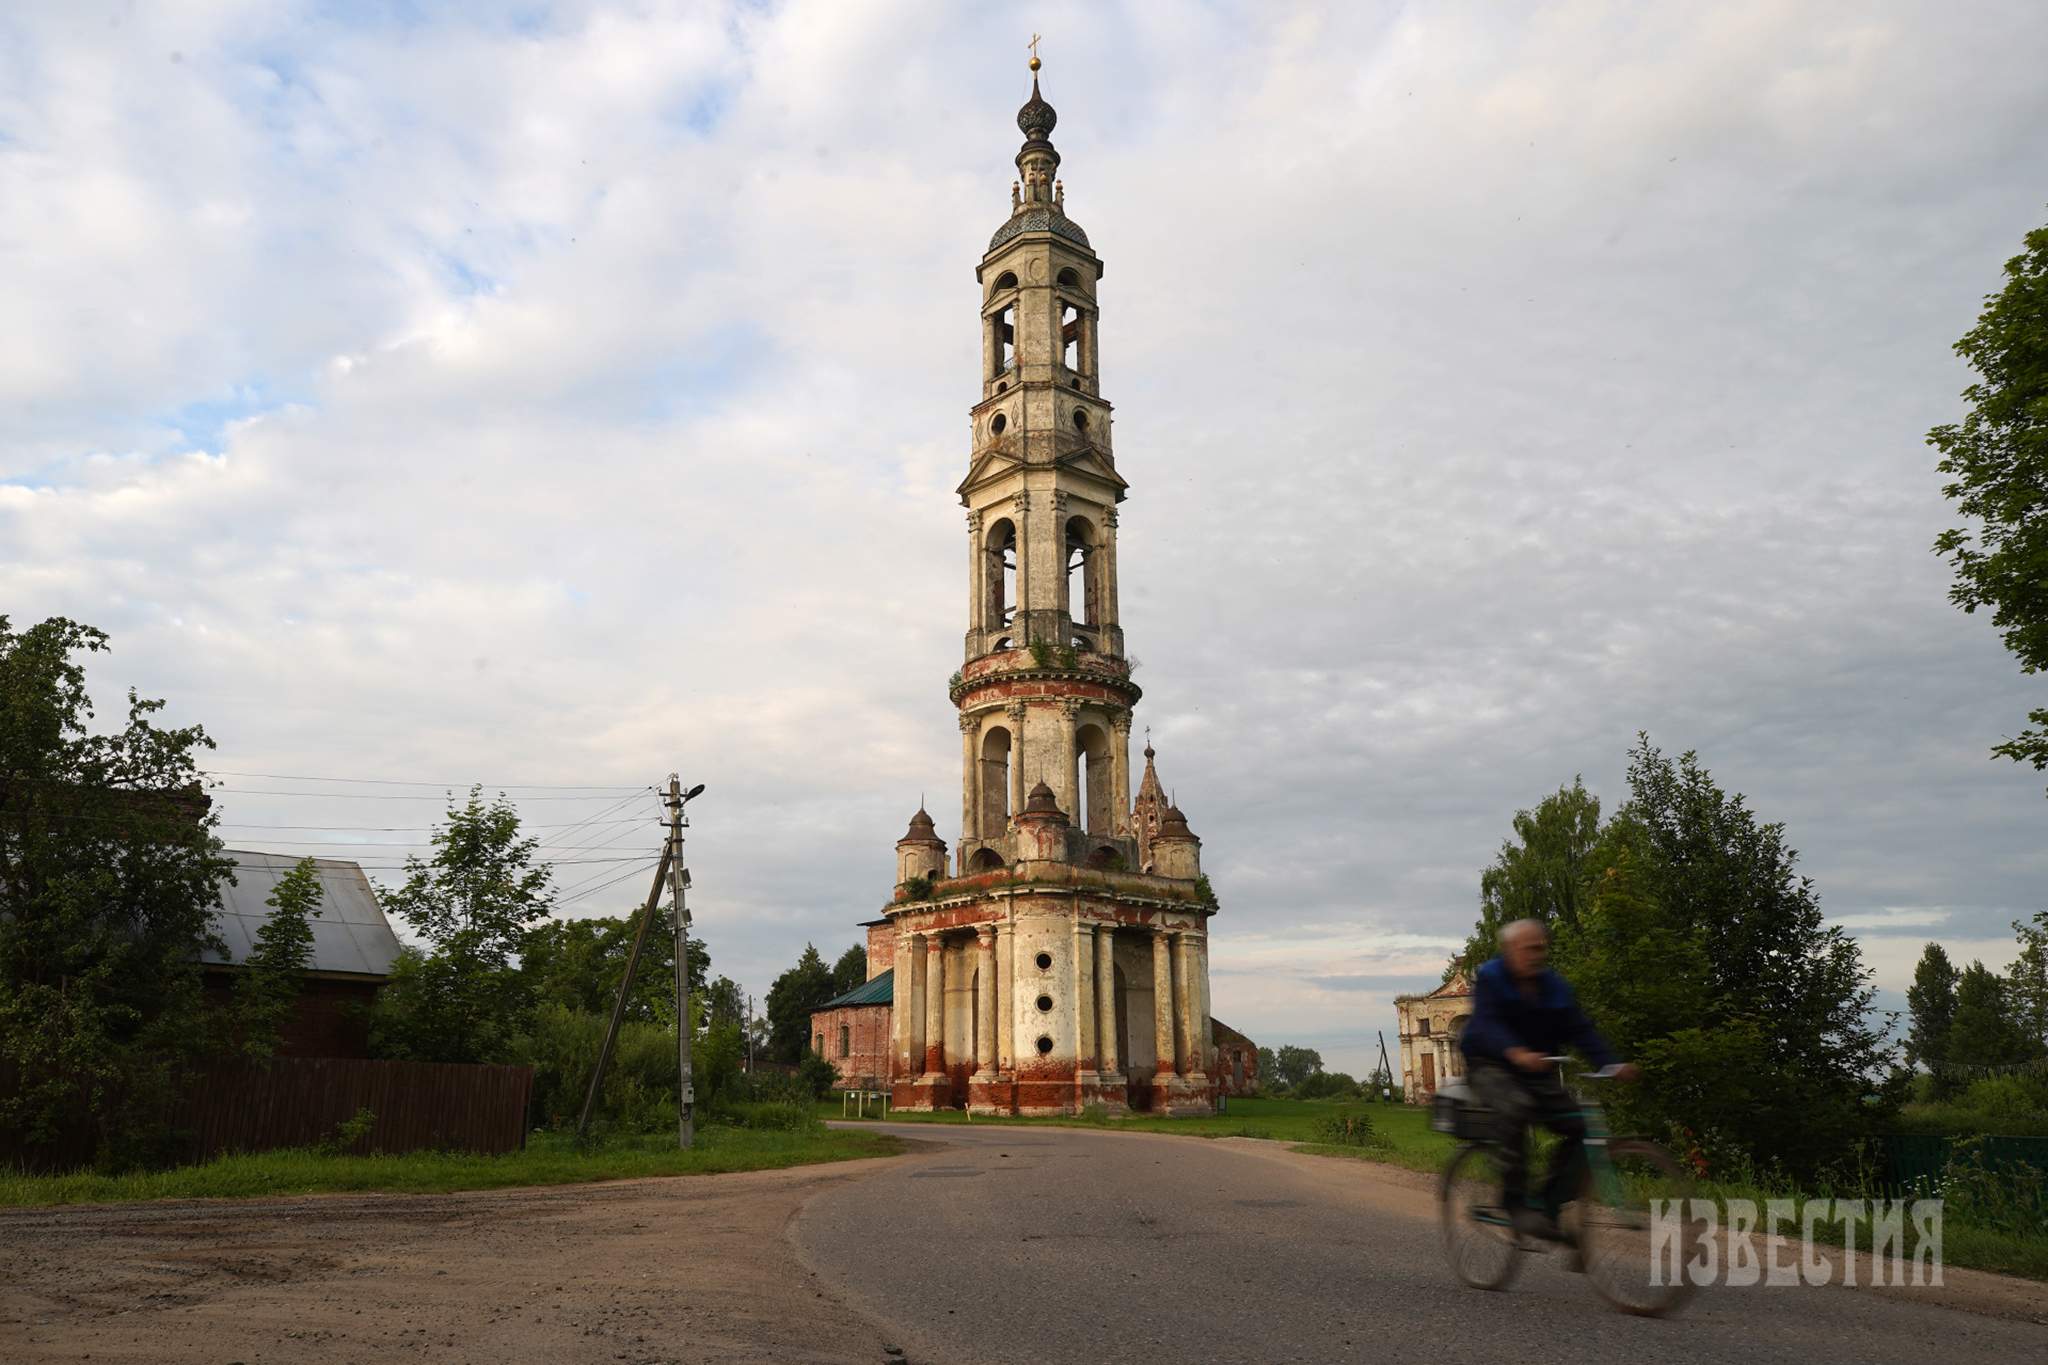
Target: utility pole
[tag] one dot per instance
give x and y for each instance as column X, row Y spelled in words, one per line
column 748, row 1033
column 679, row 877
column 611, row 1033
column 672, row 873
column 1386, row 1069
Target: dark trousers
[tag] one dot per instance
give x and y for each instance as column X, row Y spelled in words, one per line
column 1518, row 1099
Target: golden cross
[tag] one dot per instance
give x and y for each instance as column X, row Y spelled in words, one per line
column 1033, row 45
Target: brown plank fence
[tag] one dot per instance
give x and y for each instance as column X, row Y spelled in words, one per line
column 301, row 1101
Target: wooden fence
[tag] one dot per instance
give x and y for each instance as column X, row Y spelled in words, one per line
column 301, row 1101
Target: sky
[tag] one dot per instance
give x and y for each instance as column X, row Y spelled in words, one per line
column 421, row 394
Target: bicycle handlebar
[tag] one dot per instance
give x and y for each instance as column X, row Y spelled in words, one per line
column 1605, row 1073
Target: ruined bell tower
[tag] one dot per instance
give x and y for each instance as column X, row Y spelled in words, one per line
column 1054, row 961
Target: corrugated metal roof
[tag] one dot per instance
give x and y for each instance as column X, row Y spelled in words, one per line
column 350, row 934
column 880, row 990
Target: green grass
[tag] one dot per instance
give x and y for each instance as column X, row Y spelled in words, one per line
column 549, row 1159
column 1405, row 1126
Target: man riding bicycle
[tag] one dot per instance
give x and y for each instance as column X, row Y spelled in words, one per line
column 1523, row 1014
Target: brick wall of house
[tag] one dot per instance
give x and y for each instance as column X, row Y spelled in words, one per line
column 855, row 1039
column 881, row 948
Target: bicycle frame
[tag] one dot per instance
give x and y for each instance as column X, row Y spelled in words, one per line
column 1606, row 1180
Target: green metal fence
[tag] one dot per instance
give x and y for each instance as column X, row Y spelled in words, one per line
column 1918, row 1160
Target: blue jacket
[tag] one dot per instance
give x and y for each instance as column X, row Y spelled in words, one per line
column 1503, row 1017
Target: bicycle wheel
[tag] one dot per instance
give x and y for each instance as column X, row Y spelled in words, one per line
column 1479, row 1238
column 1636, row 1246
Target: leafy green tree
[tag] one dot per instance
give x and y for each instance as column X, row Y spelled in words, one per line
column 1931, row 1006
column 267, row 987
column 1269, row 1070
column 1294, row 1065
column 850, row 970
column 1541, row 874
column 1997, row 461
column 578, row 964
column 790, row 1001
column 1771, row 962
column 2026, row 984
column 1984, row 1033
column 110, row 877
column 464, row 999
column 725, row 1003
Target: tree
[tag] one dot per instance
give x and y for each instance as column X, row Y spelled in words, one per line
column 1997, row 461
column 851, row 970
column 272, row 976
column 2027, row 985
column 725, row 1003
column 1269, row 1070
column 578, row 964
column 1294, row 1065
column 1772, row 967
column 1984, row 1033
column 464, row 999
column 1541, row 874
column 1931, row 1005
column 791, row 999
column 110, row 876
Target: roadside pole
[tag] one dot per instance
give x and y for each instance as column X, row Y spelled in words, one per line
column 611, row 1033
column 679, row 878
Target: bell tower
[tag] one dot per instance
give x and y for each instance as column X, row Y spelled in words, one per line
column 1064, row 963
column 1044, row 642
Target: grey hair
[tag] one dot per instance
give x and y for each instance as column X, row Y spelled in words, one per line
column 1514, row 930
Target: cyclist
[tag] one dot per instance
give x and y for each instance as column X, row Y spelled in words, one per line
column 1523, row 1013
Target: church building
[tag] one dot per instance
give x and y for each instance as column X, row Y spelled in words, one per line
column 1058, row 957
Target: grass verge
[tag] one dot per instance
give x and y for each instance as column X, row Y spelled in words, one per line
column 548, row 1159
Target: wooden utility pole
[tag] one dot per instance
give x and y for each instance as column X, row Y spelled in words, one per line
column 679, row 878
column 1387, row 1070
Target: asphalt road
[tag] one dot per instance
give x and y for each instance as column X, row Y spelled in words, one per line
column 1040, row 1245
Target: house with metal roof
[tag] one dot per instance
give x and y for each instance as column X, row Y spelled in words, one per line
column 852, row 1032
column 353, row 949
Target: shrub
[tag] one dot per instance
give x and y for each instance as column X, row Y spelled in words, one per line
column 639, row 1093
column 816, row 1074
column 918, row 888
column 347, row 1134
column 1349, row 1130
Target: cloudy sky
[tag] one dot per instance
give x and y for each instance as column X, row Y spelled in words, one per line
column 422, row 395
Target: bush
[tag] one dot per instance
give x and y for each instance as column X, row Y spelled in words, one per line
column 1327, row 1085
column 780, row 1116
column 639, row 1093
column 347, row 1134
column 2007, row 1097
column 1349, row 1130
column 817, row 1075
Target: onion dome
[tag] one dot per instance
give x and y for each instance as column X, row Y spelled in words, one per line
column 1041, row 801
column 1036, row 118
column 1173, row 825
column 922, row 830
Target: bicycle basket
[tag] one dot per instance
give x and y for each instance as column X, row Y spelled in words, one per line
column 1454, row 1109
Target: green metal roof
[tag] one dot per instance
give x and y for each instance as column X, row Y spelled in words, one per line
column 879, row 991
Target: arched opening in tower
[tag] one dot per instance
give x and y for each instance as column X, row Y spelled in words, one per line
column 1092, row 778
column 999, row 574
column 995, row 783
column 1070, row 336
column 1084, row 602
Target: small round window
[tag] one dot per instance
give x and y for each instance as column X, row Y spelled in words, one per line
column 1045, row 1004
column 1044, row 1044
column 1044, row 961
column 995, row 428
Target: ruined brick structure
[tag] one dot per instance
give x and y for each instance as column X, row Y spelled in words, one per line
column 1430, row 1025
column 1061, row 960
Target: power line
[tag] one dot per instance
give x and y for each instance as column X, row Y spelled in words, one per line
column 584, row 890
column 397, row 796
column 413, row 782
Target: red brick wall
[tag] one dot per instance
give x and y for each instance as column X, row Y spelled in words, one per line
column 867, row 1038
column 881, row 948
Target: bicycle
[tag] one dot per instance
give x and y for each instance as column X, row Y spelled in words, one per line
column 1616, row 1244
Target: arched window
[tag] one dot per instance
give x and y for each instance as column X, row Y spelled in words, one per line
column 999, row 574
column 1069, row 278
column 1006, row 280
column 818, row 1043
column 845, row 1041
column 1093, row 798
column 1084, row 603
column 995, row 783
column 985, row 860
column 1070, row 336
